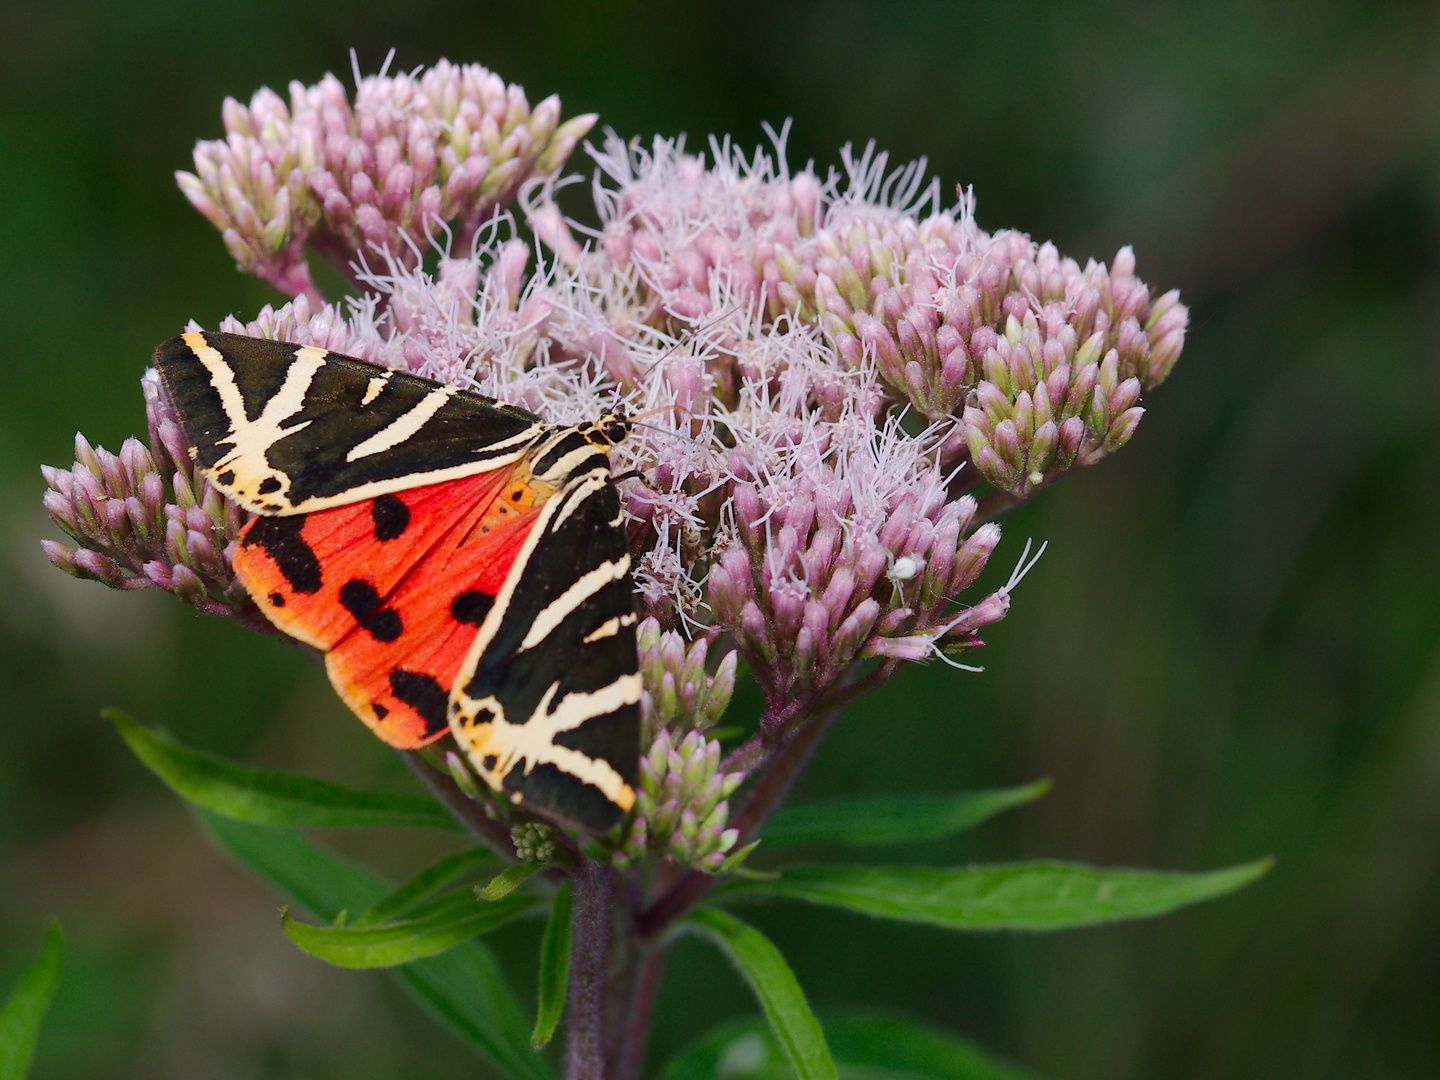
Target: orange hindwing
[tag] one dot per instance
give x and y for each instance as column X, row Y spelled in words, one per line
column 391, row 589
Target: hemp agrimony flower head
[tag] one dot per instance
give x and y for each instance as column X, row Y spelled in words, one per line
column 844, row 383
column 448, row 145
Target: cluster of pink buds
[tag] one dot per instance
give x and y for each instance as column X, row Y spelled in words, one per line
column 844, row 553
column 143, row 518
column 680, row 695
column 443, row 148
column 1035, row 364
column 682, row 807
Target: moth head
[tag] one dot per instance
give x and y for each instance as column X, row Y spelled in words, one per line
column 612, row 428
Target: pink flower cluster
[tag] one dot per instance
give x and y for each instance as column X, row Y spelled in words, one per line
column 144, row 518
column 1037, row 364
column 414, row 154
column 837, row 384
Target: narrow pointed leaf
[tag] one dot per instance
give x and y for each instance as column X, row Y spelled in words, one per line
column 774, row 985
column 427, row 882
column 554, row 969
column 452, row 920
column 508, row 880
column 894, row 819
column 25, row 1007
column 265, row 797
column 464, row 988
column 1015, row 896
column 865, row 1045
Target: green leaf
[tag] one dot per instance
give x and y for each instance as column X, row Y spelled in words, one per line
column 263, row 797
column 22, row 1011
column 427, row 882
column 865, row 1045
column 873, row 1044
column 509, row 879
column 893, row 819
column 1015, row 896
column 464, row 988
column 774, row 985
column 554, row 969
column 451, row 920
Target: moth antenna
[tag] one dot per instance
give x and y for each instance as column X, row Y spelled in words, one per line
column 655, row 411
column 691, row 335
column 670, row 433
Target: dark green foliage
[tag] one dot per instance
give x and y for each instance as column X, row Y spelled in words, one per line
column 1229, row 649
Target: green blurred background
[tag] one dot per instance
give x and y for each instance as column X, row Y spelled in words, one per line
column 1231, row 649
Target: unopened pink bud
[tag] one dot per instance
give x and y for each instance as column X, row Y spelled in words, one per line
column 972, row 557
column 990, row 610
column 1122, row 428
column 853, row 631
column 100, row 567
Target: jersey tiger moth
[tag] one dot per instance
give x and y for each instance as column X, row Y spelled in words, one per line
column 461, row 563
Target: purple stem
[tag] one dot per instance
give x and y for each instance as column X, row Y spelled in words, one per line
column 585, row 999
column 995, row 504
column 636, row 1032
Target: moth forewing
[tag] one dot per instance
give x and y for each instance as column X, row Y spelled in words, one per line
column 288, row 429
column 547, row 701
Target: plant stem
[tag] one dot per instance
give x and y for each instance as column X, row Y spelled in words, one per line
column 995, row 504
column 592, row 925
column 636, row 1020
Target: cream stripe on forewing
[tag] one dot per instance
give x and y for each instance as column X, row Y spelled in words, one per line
column 582, row 589
column 222, row 376
column 491, row 626
column 609, row 628
column 373, row 388
column 290, row 398
column 585, row 487
column 403, row 426
column 498, row 736
column 534, row 740
column 250, row 439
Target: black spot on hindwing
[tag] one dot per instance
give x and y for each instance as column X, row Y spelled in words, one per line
column 277, row 599
column 424, row 694
column 471, row 607
column 281, row 539
column 361, row 600
column 385, row 625
column 391, row 517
